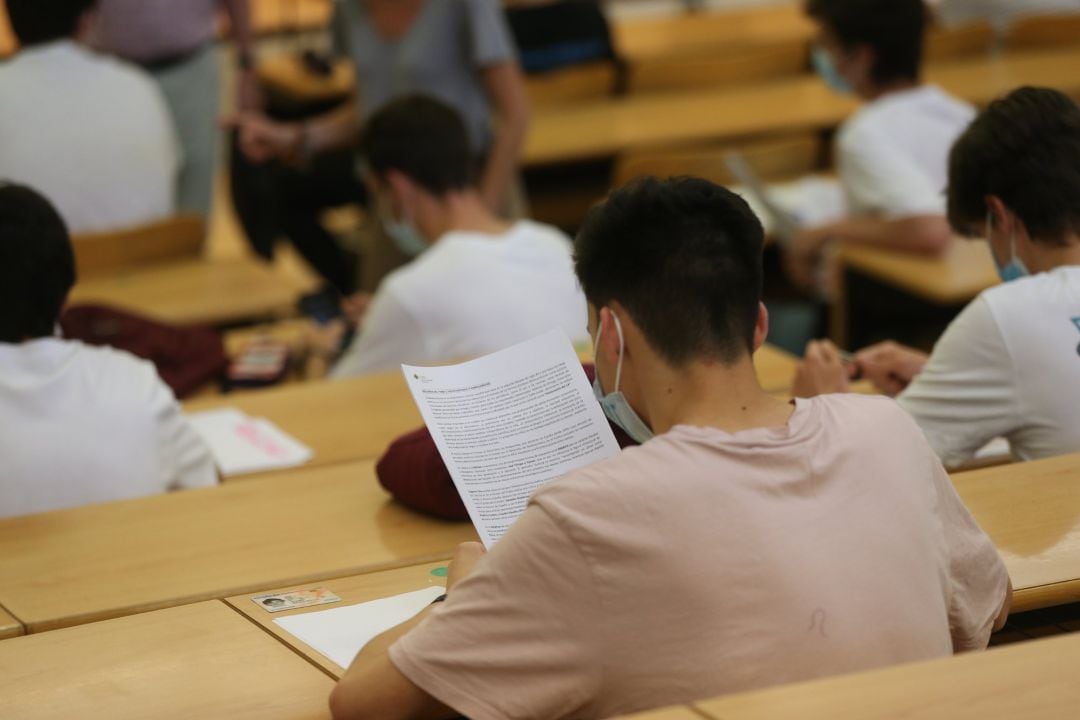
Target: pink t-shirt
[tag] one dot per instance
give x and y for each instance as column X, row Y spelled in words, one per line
column 703, row 563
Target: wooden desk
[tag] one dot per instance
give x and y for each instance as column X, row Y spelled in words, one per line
column 679, row 713
column 640, row 39
column 1029, row 680
column 340, row 420
column 78, row 566
column 955, row 278
column 605, row 128
column 201, row 661
column 351, row 590
column 358, row 418
column 1032, row 513
column 198, row 291
column 9, row 626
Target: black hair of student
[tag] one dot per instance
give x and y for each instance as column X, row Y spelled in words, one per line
column 894, row 30
column 422, row 138
column 37, row 264
column 684, row 257
column 35, row 22
column 1024, row 149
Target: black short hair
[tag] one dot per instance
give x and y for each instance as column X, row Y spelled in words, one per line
column 422, row 138
column 894, row 29
column 1024, row 149
column 37, row 264
column 40, row 21
column 684, row 257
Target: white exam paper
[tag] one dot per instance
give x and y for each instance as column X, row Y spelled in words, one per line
column 509, row 422
column 241, row 444
column 341, row 633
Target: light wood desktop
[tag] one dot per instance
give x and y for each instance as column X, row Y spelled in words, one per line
column 954, row 278
column 605, row 128
column 1026, row 680
column 1032, row 513
column 351, row 590
column 77, row 566
column 200, row 660
column 340, row 420
column 641, row 39
column 9, row 626
column 358, row 418
column 676, row 713
column 197, row 291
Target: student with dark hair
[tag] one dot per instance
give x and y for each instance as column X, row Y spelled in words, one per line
column 750, row 542
column 1009, row 365
column 92, row 133
column 80, row 424
column 891, row 154
column 477, row 283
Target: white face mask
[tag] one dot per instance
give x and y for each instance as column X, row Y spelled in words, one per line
column 1014, row 268
column 615, row 406
column 407, row 238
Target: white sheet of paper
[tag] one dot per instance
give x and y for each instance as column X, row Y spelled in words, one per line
column 241, row 444
column 341, row 633
column 996, row 448
column 509, row 422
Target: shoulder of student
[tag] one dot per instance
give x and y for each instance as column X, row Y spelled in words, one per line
column 870, row 123
column 122, row 378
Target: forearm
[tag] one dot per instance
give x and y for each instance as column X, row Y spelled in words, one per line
column 926, row 234
column 240, row 23
column 373, row 688
column 502, row 166
column 506, row 88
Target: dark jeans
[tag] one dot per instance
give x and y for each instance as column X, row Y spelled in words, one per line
column 272, row 200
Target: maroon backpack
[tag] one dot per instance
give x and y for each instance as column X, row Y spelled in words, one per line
column 187, row 358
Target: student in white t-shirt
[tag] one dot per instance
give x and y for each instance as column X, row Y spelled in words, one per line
column 478, row 284
column 747, row 542
column 1009, row 365
column 92, row 133
column 891, row 154
column 78, row 424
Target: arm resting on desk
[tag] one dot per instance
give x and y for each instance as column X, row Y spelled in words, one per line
column 929, row 234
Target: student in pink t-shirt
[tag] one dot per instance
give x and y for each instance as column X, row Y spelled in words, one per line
column 748, row 542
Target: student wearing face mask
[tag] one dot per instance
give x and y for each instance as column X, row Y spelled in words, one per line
column 1009, row 365
column 477, row 283
column 891, row 153
column 750, row 542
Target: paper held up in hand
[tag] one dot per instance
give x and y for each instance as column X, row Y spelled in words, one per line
column 509, row 422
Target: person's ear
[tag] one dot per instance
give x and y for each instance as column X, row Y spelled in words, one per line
column 608, row 347
column 761, row 327
column 400, row 190
column 858, row 66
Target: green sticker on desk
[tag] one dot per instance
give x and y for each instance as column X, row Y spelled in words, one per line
column 441, row 571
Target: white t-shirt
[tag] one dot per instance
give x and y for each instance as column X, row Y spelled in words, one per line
column 82, row 425
column 893, row 153
column 92, row 134
column 469, row 295
column 1008, row 366
column 998, row 12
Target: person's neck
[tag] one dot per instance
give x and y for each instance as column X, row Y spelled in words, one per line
column 464, row 211
column 876, row 92
column 1049, row 257
column 711, row 394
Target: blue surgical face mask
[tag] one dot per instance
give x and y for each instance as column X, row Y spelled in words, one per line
column 1015, row 268
column 406, row 237
column 825, row 66
column 615, row 406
